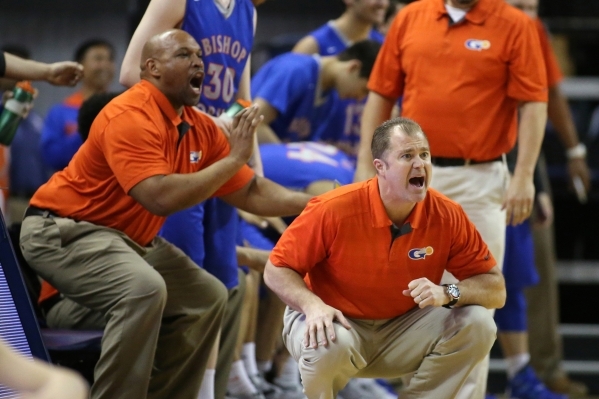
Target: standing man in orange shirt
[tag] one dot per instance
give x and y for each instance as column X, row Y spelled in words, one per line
column 91, row 230
column 360, row 270
column 466, row 69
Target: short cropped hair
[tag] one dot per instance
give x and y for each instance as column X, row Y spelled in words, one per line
column 381, row 138
column 364, row 51
column 90, row 109
column 85, row 46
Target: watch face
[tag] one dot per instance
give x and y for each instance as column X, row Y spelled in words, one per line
column 453, row 290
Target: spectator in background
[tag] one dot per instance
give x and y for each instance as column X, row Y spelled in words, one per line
column 26, row 170
column 293, row 90
column 60, row 140
column 358, row 22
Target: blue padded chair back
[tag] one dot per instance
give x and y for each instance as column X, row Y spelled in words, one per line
column 18, row 323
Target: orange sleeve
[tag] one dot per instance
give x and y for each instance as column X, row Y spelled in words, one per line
column 219, row 148
column 241, row 178
column 387, row 76
column 468, row 255
column 136, row 156
column 554, row 73
column 527, row 77
column 306, row 241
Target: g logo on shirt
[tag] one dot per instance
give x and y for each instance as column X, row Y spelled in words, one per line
column 477, row 45
column 195, row 156
column 420, row 253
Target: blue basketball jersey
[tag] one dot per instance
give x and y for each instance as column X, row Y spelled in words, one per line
column 206, row 232
column 226, row 38
column 342, row 127
column 297, row 165
column 291, row 84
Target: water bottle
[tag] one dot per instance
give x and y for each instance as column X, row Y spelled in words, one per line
column 14, row 110
column 237, row 106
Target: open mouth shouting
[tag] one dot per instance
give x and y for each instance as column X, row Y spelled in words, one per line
column 417, row 181
column 196, row 82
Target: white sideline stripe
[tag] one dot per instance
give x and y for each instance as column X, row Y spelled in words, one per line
column 579, row 330
column 570, row 366
column 578, row 272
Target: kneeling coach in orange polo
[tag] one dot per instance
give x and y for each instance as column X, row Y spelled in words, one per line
column 360, row 269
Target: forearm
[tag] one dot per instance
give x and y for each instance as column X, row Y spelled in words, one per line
column 264, row 197
column 559, row 114
column 487, row 290
column 18, row 68
column 168, row 194
column 253, row 258
column 30, row 376
column 290, row 287
column 376, row 111
column 531, row 128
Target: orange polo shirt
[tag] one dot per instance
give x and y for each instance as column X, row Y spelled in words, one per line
column 342, row 245
column 462, row 83
column 133, row 138
column 554, row 73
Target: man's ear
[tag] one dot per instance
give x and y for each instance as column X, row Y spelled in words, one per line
column 152, row 67
column 379, row 166
column 355, row 66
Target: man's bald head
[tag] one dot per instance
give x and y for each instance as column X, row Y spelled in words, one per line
column 158, row 44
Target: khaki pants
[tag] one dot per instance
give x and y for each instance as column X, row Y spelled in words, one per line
column 162, row 313
column 480, row 190
column 439, row 346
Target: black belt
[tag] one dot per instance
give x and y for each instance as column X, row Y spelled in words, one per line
column 35, row 211
column 47, row 304
column 439, row 161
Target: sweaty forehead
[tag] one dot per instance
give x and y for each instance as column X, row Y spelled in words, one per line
column 174, row 41
column 401, row 142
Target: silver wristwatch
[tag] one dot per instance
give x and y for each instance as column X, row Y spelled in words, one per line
column 452, row 292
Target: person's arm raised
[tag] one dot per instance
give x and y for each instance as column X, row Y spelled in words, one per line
column 160, row 16
column 165, row 194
